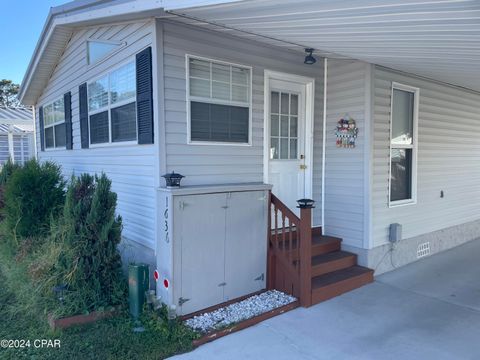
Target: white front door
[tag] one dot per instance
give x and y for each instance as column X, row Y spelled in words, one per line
column 287, row 162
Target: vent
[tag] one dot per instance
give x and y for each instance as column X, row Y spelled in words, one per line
column 423, row 250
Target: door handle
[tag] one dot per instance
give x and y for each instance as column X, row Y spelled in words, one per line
column 303, row 167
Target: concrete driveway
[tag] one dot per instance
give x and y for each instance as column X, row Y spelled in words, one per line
column 426, row 310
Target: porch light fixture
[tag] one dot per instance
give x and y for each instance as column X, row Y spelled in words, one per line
column 172, row 179
column 309, row 59
column 306, row 203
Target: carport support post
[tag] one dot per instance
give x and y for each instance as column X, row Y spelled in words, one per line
column 10, row 143
column 305, row 256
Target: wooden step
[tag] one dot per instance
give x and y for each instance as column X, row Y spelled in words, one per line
column 325, row 244
column 320, row 245
column 330, row 262
column 329, row 285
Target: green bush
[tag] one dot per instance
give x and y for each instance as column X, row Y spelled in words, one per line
column 90, row 262
column 7, row 170
column 33, row 194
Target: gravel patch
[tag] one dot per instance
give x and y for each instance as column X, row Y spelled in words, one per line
column 236, row 312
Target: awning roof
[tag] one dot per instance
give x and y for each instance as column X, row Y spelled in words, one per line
column 21, row 117
column 439, row 39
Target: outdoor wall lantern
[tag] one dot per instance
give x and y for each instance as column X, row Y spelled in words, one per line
column 306, row 203
column 309, row 59
column 172, row 179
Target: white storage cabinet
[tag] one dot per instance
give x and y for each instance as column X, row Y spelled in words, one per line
column 213, row 244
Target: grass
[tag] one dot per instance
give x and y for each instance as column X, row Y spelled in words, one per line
column 23, row 316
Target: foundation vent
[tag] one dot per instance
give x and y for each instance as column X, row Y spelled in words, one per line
column 423, row 250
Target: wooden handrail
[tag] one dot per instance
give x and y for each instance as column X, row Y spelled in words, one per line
column 289, row 259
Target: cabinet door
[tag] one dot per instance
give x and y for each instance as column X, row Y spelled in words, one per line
column 246, row 243
column 202, row 250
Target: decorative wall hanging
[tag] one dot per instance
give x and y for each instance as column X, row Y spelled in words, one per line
column 346, row 132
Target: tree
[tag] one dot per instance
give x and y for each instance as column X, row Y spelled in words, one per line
column 8, row 93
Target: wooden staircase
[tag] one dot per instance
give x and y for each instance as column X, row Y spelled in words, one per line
column 306, row 264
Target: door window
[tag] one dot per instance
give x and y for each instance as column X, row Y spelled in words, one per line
column 283, row 125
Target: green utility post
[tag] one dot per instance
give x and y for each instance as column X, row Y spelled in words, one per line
column 138, row 284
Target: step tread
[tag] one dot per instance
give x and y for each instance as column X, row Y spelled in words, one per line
column 328, row 257
column 323, row 240
column 324, row 280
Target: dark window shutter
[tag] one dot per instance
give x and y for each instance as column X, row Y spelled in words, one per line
column 67, row 100
column 83, row 109
column 144, row 96
column 42, row 128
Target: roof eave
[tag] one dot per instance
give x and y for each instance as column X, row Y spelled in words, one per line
column 69, row 16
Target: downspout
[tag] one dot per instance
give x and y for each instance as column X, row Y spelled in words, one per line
column 34, row 132
column 324, row 138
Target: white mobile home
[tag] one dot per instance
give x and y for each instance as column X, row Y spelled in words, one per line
column 369, row 108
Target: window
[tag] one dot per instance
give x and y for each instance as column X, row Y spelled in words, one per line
column 403, row 144
column 54, row 124
column 219, row 102
column 112, row 107
column 97, row 50
column 283, row 125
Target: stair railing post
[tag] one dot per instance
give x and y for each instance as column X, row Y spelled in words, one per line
column 305, row 232
column 270, row 255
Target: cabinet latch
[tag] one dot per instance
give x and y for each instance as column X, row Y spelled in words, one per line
column 260, row 278
column 182, row 301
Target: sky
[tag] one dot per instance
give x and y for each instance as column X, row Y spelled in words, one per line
column 21, row 22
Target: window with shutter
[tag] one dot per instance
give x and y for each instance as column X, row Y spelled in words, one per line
column 112, row 107
column 54, row 124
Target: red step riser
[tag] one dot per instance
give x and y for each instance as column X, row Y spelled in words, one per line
column 341, row 287
column 334, row 265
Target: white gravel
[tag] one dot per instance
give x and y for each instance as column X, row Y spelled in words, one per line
column 236, row 312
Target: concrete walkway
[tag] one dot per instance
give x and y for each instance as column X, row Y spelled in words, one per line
column 426, row 310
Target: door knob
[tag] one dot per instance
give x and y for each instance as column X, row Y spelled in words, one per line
column 303, row 167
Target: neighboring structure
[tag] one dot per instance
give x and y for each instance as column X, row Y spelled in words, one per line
column 16, row 134
column 381, row 131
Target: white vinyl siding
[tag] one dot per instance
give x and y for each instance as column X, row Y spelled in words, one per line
column 448, row 158
column 344, row 169
column 209, row 164
column 131, row 168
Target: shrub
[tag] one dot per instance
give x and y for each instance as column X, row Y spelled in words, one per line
column 90, row 264
column 33, row 194
column 7, row 170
